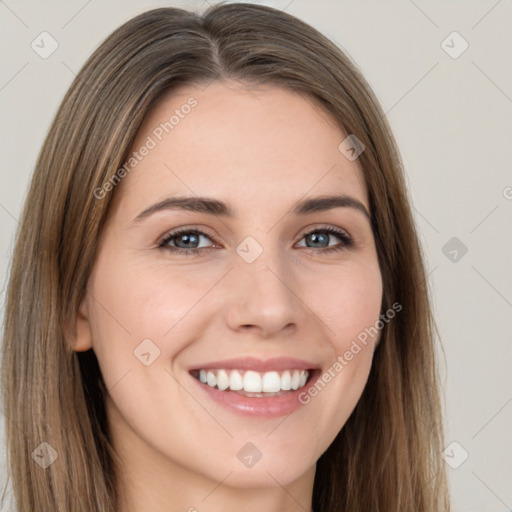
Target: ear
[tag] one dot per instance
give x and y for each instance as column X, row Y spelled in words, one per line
column 83, row 335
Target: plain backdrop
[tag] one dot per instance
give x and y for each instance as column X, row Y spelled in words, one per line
column 443, row 73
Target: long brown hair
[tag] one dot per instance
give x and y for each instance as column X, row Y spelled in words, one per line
column 387, row 456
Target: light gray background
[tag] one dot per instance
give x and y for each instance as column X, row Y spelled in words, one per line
column 452, row 119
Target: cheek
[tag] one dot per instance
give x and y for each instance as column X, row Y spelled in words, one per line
column 349, row 304
column 135, row 302
column 347, row 298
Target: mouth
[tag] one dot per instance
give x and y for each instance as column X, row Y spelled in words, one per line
column 256, row 388
column 252, row 383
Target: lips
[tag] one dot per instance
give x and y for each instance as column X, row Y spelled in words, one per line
column 255, row 387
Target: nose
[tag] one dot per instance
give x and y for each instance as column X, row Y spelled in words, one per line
column 262, row 296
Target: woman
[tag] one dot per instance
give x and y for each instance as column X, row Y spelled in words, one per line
column 177, row 336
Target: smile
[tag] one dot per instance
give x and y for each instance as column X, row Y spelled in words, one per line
column 254, row 387
column 252, row 383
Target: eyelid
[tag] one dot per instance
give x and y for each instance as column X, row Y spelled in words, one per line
column 321, row 227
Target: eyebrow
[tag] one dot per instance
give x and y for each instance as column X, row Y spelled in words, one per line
column 215, row 207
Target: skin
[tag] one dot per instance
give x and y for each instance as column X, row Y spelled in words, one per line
column 259, row 150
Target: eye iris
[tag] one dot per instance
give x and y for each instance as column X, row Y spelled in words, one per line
column 189, row 239
column 317, row 239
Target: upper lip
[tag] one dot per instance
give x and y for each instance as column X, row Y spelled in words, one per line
column 258, row 365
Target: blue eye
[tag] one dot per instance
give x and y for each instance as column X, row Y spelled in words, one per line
column 186, row 242
column 320, row 236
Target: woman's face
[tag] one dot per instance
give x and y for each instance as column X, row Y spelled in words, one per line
column 269, row 291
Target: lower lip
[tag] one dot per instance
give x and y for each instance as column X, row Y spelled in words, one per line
column 262, row 407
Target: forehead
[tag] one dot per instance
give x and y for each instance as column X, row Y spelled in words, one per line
column 240, row 144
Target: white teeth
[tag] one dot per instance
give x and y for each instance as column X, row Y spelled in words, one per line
column 286, row 381
column 271, row 382
column 211, row 380
column 236, row 382
column 222, row 380
column 254, row 382
column 295, row 380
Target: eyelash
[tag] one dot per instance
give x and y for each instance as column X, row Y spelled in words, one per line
column 347, row 241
